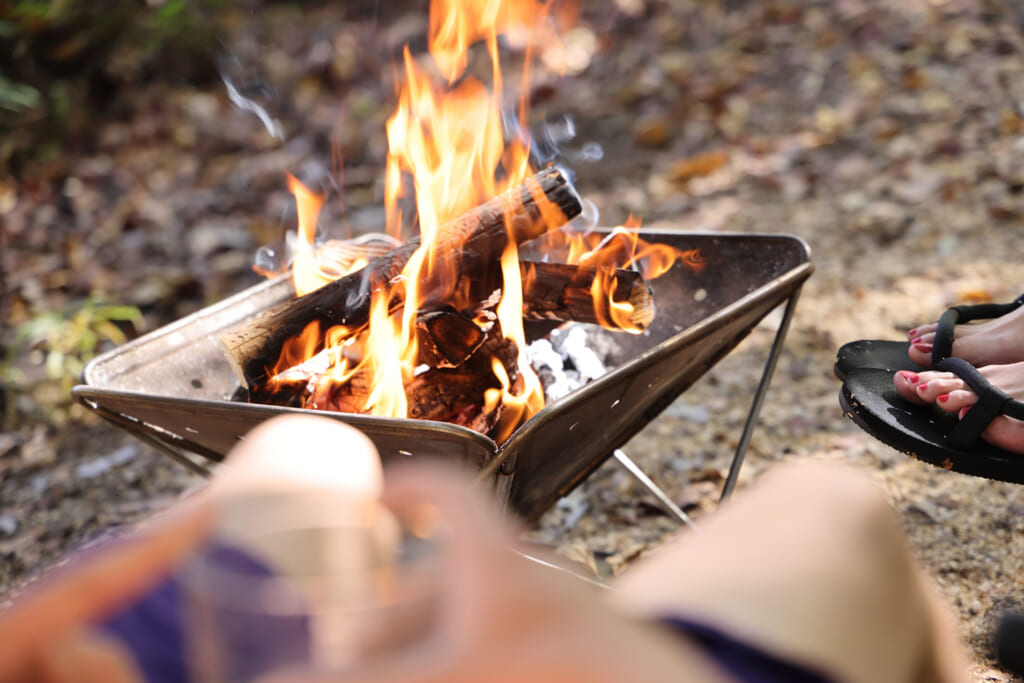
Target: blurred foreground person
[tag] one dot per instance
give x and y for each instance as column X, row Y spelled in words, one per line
column 805, row 577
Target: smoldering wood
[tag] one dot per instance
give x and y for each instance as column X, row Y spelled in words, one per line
column 561, row 292
column 557, row 291
column 446, row 338
column 456, row 395
column 469, row 244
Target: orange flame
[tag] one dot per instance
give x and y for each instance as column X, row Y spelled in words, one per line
column 623, row 248
column 450, row 141
column 305, row 273
column 390, row 355
column 299, row 348
column 313, row 268
column 447, row 148
column 455, row 25
column 518, row 407
column 621, row 315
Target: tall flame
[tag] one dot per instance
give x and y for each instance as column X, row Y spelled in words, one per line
column 450, row 141
column 388, row 354
column 305, row 273
column 448, row 153
column 529, row 399
column 455, row 25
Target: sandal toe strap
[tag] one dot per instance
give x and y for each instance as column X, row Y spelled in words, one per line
column 942, row 347
column 992, row 403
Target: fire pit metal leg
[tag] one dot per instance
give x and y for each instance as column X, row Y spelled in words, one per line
column 148, row 434
column 663, row 499
column 762, row 388
column 561, row 569
column 182, row 458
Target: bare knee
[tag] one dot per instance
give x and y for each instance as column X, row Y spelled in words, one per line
column 849, row 555
column 834, row 499
column 835, row 519
column 809, row 562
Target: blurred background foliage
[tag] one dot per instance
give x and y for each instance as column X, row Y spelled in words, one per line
column 57, row 344
column 62, row 63
column 68, row 68
column 66, row 57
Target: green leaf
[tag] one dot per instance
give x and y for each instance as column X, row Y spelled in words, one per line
column 170, row 10
column 17, row 97
column 123, row 313
column 109, row 331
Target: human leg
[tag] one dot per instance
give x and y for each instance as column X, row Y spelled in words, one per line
column 998, row 340
column 980, row 334
column 810, row 564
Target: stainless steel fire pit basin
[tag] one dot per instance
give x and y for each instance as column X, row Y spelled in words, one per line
column 173, row 387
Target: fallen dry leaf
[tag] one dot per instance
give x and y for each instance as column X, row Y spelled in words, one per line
column 699, row 165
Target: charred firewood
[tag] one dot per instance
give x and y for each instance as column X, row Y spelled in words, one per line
column 556, row 291
column 469, row 245
column 563, row 292
column 456, row 394
column 446, row 338
column 438, row 395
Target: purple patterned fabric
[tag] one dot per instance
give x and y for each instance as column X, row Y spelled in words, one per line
column 153, row 629
column 746, row 662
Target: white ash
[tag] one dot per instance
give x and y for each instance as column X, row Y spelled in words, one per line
column 569, row 358
column 488, row 305
column 550, row 367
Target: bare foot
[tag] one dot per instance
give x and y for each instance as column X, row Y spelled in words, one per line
column 996, row 341
column 951, row 394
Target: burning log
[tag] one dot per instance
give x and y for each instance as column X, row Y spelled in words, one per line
column 455, row 394
column 553, row 291
column 469, row 245
column 557, row 291
column 447, row 338
column 432, row 395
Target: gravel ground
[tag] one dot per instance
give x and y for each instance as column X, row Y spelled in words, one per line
column 888, row 135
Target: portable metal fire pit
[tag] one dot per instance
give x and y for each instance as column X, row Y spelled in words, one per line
column 173, row 387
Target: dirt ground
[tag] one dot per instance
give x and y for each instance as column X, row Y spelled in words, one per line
column 888, row 135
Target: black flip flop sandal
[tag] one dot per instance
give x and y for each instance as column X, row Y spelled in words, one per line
column 869, row 398
column 893, row 355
